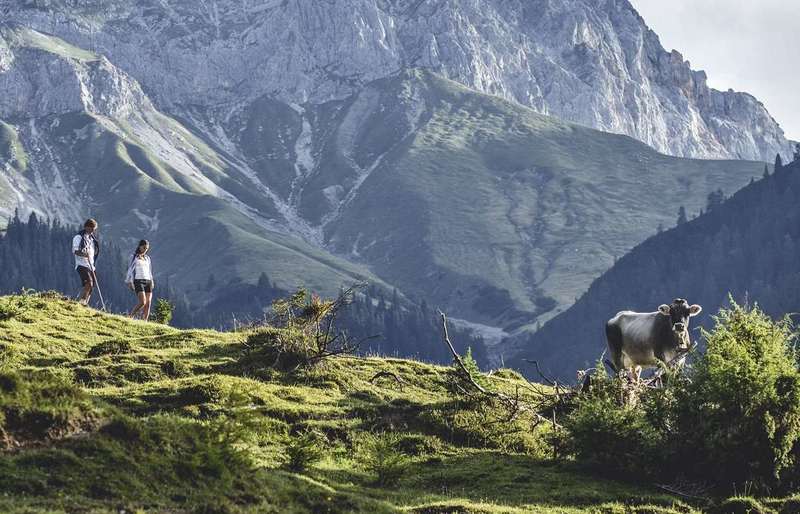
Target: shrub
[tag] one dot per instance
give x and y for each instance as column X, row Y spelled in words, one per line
column 305, row 449
column 733, row 419
column 175, row 369
column 9, row 308
column 301, row 333
column 605, row 433
column 163, row 311
column 419, row 444
column 380, row 455
column 738, row 418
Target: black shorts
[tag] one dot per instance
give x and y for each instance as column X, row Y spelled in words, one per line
column 143, row 286
column 86, row 276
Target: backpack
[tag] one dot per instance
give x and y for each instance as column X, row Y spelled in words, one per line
column 95, row 242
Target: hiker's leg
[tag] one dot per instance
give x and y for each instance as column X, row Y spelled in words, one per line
column 86, row 294
column 88, row 284
column 141, row 299
column 148, row 301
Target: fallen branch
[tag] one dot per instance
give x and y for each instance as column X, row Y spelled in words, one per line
column 381, row 374
column 514, row 405
column 675, row 490
column 540, row 372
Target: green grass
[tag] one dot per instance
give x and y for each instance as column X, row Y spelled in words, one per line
column 101, row 413
column 26, row 37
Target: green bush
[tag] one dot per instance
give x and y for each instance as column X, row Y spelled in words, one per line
column 738, row 418
column 305, row 449
column 163, row 311
column 285, row 349
column 605, row 433
column 301, row 333
column 380, row 455
column 733, row 419
column 9, row 308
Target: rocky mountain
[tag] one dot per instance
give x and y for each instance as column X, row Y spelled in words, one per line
column 747, row 247
column 80, row 136
column 594, row 62
column 483, row 207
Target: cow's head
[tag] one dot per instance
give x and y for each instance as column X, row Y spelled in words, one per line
column 679, row 312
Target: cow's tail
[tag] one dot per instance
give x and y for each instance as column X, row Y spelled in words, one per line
column 614, row 338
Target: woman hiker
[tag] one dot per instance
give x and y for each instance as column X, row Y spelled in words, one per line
column 140, row 279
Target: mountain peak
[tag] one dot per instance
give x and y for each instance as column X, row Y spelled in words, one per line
column 597, row 65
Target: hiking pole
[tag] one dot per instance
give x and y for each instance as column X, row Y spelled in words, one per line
column 99, row 292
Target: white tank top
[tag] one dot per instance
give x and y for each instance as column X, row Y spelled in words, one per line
column 141, row 269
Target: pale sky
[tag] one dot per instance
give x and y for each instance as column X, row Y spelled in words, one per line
column 745, row 45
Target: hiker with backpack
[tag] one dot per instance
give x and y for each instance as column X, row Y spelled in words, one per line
column 140, row 280
column 86, row 249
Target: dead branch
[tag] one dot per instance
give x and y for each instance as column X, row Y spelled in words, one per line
column 540, row 372
column 677, row 490
column 457, row 357
column 389, row 374
column 657, row 374
column 515, row 405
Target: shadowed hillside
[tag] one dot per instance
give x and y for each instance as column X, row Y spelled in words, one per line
column 748, row 246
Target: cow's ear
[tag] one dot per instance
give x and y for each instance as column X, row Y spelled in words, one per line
column 664, row 309
column 694, row 310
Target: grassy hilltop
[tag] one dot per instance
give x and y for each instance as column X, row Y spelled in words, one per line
column 100, row 413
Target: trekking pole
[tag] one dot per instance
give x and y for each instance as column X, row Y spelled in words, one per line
column 99, row 292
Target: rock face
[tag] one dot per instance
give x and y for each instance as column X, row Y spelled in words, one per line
column 594, row 63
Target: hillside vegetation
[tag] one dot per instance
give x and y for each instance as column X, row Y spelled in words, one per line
column 747, row 246
column 99, row 413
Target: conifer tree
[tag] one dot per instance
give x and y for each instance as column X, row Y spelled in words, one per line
column 682, row 215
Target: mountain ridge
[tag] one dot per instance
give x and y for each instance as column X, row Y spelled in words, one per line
column 594, row 64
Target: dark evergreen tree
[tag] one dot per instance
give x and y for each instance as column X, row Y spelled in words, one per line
column 714, row 200
column 681, row 215
column 778, row 163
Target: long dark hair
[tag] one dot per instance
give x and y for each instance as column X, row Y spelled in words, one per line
column 139, row 251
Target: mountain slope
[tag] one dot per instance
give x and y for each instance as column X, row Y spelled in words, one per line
column 593, row 63
column 99, row 413
column 749, row 246
column 82, row 137
column 486, row 209
column 499, row 213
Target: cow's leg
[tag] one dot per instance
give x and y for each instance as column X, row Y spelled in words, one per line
column 614, row 340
